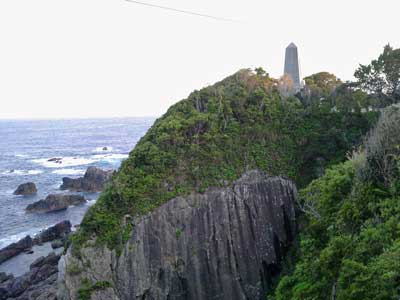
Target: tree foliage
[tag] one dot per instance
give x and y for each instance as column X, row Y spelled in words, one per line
column 350, row 246
column 382, row 76
column 210, row 139
column 382, row 149
column 320, row 85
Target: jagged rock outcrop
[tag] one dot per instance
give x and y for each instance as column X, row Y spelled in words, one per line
column 40, row 283
column 224, row 244
column 26, row 189
column 93, row 181
column 15, row 248
column 55, row 202
column 58, row 232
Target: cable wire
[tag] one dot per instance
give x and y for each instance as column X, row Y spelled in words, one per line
column 182, row 11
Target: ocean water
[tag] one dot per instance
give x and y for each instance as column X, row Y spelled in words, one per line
column 26, row 147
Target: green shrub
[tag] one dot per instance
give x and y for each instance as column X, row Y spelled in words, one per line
column 383, row 149
column 73, row 269
column 211, row 138
column 350, row 245
column 87, row 288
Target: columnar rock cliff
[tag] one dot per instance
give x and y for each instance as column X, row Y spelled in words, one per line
column 226, row 243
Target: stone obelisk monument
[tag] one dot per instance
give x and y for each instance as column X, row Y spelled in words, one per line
column 292, row 67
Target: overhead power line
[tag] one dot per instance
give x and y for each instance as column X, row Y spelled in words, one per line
column 182, row 11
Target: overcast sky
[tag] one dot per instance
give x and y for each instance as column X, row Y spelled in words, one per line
column 99, row 58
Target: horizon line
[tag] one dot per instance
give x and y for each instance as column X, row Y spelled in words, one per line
column 74, row 118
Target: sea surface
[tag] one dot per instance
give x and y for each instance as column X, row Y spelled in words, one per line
column 26, row 147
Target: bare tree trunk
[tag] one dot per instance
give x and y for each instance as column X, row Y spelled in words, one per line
column 333, row 296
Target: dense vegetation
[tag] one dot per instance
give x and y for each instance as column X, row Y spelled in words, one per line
column 349, row 242
column 350, row 245
column 381, row 78
column 216, row 134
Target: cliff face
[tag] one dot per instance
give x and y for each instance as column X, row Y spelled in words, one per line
column 224, row 244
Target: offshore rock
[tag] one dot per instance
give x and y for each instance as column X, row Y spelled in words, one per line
column 15, row 248
column 55, row 202
column 25, row 189
column 226, row 244
column 93, row 181
column 58, row 232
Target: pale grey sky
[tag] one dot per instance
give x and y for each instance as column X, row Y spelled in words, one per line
column 98, row 58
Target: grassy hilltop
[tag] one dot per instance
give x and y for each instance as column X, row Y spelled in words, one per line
column 349, row 246
column 216, row 134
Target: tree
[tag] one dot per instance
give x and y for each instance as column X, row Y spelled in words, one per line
column 383, row 150
column 323, row 81
column 382, row 76
column 261, row 72
column 349, row 98
column 320, row 86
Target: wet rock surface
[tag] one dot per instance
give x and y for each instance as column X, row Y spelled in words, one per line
column 58, row 232
column 16, row 248
column 39, row 283
column 93, row 181
column 26, row 189
column 227, row 243
column 55, row 202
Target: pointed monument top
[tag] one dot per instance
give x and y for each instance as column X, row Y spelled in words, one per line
column 292, row 66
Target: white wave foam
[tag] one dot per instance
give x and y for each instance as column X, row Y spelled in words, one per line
column 21, row 155
column 69, row 172
column 69, row 161
column 111, row 158
column 16, row 237
column 35, row 172
column 63, row 162
column 56, row 186
column 21, row 172
column 91, row 202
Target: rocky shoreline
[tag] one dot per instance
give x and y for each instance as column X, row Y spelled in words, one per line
column 38, row 281
column 59, row 232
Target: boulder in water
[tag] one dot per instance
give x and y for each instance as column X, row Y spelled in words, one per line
column 55, row 202
column 39, row 283
column 94, row 180
column 57, row 160
column 60, row 231
column 15, row 248
column 28, row 188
